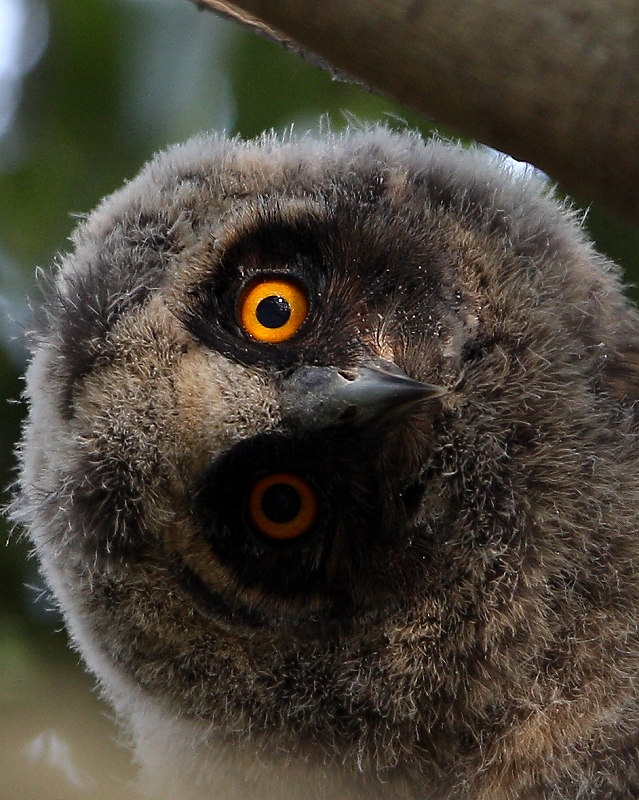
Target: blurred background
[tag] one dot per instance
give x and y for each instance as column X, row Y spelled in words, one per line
column 89, row 89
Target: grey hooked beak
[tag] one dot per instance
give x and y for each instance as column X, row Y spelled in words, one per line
column 318, row 397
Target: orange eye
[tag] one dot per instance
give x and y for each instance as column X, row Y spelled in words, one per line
column 282, row 506
column 271, row 310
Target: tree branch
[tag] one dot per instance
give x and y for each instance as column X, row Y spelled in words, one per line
column 553, row 82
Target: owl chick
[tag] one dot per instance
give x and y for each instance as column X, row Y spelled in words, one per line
column 332, row 464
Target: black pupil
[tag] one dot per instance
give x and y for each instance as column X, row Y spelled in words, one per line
column 281, row 503
column 273, row 312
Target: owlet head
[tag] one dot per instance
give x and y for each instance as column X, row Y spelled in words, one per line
column 322, row 465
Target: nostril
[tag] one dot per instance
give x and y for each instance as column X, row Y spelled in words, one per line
column 348, row 374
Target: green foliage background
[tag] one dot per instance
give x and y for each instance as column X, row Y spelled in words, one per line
column 118, row 80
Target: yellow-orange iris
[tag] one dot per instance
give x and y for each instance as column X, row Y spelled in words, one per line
column 272, row 309
column 281, row 506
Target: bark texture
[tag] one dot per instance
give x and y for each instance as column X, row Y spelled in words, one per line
column 553, row 82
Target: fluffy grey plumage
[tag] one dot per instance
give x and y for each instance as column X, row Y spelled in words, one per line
column 460, row 619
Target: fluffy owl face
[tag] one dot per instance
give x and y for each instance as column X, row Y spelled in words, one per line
column 315, row 451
